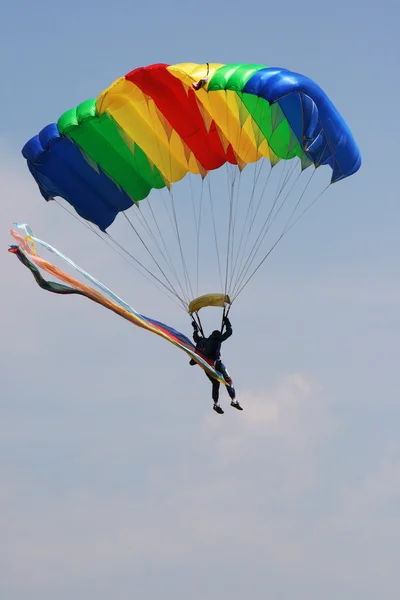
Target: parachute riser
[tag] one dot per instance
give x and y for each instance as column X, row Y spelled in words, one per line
column 225, row 313
column 196, row 317
column 217, row 300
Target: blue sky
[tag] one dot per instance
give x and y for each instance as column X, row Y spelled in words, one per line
column 117, row 479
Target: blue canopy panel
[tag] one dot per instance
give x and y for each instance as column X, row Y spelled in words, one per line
column 61, row 168
column 323, row 133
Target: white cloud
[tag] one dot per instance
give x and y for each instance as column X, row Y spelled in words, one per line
column 188, row 505
column 285, row 413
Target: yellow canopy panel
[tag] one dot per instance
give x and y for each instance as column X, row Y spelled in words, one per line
column 208, row 300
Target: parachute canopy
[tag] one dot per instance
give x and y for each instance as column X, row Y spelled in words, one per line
column 159, row 123
column 150, row 128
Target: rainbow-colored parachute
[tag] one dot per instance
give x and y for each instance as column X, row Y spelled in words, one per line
column 150, row 128
column 211, row 165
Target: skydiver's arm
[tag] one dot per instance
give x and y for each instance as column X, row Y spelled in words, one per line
column 227, row 334
column 196, row 336
column 228, row 330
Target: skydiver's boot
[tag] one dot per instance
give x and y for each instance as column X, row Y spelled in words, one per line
column 218, row 409
column 236, row 405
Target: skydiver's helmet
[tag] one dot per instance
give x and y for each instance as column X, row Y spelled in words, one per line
column 216, row 333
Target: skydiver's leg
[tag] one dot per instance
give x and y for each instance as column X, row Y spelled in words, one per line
column 219, row 365
column 215, row 388
column 215, row 393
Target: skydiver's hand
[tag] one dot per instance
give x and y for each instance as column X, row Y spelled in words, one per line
column 227, row 322
column 194, row 325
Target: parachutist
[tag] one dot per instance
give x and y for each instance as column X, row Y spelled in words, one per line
column 203, row 81
column 200, row 84
column 210, row 347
